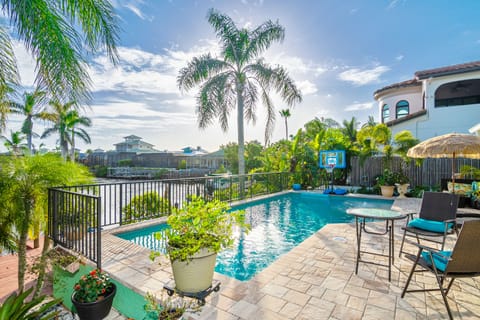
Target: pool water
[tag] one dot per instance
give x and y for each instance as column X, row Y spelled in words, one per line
column 278, row 224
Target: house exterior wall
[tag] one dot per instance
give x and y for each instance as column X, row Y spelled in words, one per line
column 437, row 120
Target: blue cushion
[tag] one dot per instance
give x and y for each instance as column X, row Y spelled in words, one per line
column 429, row 225
column 440, row 261
column 340, row 191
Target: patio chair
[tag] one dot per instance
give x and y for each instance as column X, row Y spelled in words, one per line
column 462, row 262
column 437, row 218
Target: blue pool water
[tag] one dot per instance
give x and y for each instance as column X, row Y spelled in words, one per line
column 278, row 223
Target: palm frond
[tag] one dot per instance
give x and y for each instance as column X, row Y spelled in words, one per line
column 98, row 22
column 8, row 72
column 199, row 70
column 267, row 102
column 216, row 99
column 262, row 37
column 250, row 95
column 229, row 34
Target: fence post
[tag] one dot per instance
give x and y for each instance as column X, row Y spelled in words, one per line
column 121, row 204
column 99, row 233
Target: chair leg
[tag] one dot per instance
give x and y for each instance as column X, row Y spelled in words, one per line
column 411, row 273
column 444, row 292
column 401, row 246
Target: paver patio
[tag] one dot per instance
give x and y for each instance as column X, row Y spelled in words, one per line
column 315, row 280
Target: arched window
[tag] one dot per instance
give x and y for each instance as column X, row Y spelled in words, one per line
column 402, row 109
column 385, row 113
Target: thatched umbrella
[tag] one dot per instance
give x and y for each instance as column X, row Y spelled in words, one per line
column 452, row 145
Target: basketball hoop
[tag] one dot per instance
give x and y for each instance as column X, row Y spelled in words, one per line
column 329, row 168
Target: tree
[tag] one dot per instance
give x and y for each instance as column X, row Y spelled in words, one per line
column 16, row 144
column 238, row 79
column 73, row 121
column 285, row 113
column 65, row 120
column 32, row 109
column 58, row 34
column 23, row 196
column 350, row 129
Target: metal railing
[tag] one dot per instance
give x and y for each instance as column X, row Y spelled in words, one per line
column 78, row 213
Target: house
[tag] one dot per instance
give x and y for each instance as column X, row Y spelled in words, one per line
column 435, row 102
column 135, row 144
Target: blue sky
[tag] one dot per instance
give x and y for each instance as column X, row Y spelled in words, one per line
column 338, row 53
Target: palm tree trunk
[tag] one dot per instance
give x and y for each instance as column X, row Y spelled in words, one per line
column 286, row 129
column 72, row 152
column 29, row 135
column 241, row 141
column 42, row 267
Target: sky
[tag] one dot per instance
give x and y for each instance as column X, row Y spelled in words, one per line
column 337, row 52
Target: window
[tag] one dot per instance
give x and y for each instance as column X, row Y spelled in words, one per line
column 385, row 113
column 402, row 109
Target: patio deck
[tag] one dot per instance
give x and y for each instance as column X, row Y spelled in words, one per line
column 315, row 280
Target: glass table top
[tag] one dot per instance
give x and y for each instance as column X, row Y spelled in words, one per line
column 375, row 213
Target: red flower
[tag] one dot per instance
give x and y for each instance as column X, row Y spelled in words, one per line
column 103, row 290
column 77, row 287
column 93, row 272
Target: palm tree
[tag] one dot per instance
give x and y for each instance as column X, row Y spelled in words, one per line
column 239, row 78
column 58, row 34
column 60, row 124
column 73, row 121
column 16, row 143
column 285, row 113
column 32, row 109
column 350, row 129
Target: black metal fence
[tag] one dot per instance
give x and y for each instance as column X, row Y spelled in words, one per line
column 78, row 213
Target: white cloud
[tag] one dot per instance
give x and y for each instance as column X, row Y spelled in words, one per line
column 295, row 65
column 362, row 77
column 306, row 87
column 399, row 57
column 25, row 62
column 360, row 106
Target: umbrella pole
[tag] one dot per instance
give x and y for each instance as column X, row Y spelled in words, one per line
column 453, row 173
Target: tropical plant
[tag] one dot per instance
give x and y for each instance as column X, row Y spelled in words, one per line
column 32, row 108
column 285, row 114
column 350, row 129
column 201, row 225
column 237, row 79
column 387, row 178
column 58, row 34
column 16, row 144
column 73, row 121
column 23, row 196
column 17, row 307
column 92, row 286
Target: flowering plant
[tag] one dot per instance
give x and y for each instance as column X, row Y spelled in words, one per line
column 91, row 286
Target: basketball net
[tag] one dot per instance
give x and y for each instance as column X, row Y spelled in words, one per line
column 330, row 167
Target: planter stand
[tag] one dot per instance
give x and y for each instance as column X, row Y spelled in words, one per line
column 200, row 296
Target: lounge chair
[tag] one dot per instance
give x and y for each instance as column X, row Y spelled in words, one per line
column 437, row 218
column 462, row 262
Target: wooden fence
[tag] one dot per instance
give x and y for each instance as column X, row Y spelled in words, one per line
column 429, row 173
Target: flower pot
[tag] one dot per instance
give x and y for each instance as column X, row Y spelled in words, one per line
column 96, row 310
column 402, row 189
column 387, row 191
column 196, row 274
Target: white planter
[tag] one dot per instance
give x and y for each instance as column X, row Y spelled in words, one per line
column 194, row 275
column 402, row 189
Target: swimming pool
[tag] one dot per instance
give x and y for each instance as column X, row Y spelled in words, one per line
column 278, row 223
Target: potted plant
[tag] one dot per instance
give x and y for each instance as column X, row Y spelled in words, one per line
column 198, row 231
column 401, row 182
column 93, row 295
column 386, row 181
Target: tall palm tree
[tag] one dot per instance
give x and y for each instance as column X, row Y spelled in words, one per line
column 16, row 144
column 285, row 113
column 238, row 78
column 73, row 121
column 32, row 109
column 60, row 124
column 58, row 34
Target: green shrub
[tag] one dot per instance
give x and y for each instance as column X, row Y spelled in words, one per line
column 143, row 207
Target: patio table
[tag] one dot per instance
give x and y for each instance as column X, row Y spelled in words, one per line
column 389, row 216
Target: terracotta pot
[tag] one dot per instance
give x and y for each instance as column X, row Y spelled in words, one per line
column 387, row 191
column 95, row 310
column 195, row 275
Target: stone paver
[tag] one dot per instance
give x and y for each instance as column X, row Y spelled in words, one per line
column 316, row 280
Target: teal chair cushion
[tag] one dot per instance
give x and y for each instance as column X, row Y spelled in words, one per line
column 440, row 261
column 429, row 225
